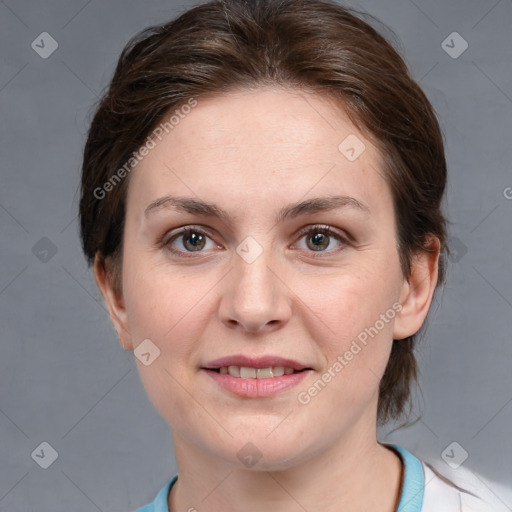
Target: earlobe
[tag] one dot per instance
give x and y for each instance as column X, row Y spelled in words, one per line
column 114, row 302
column 417, row 292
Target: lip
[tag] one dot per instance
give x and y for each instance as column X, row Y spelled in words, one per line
column 256, row 388
column 255, row 362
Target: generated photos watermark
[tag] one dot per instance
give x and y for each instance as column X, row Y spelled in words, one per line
column 149, row 144
column 304, row 397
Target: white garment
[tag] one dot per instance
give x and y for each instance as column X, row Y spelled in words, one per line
column 461, row 490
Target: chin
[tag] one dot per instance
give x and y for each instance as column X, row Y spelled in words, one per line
column 260, row 452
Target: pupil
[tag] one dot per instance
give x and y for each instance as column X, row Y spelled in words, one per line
column 319, row 237
column 197, row 240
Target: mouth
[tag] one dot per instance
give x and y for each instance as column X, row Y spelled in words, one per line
column 250, row 382
column 260, row 367
column 256, row 377
column 248, row 372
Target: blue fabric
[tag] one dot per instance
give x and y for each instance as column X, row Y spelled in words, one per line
column 411, row 499
column 159, row 504
column 414, row 482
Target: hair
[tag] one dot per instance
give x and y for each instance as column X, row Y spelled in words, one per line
column 308, row 45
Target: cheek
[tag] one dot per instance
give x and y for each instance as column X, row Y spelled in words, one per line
column 354, row 318
column 161, row 301
column 356, row 296
column 167, row 308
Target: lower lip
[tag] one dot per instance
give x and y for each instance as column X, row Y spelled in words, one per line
column 257, row 388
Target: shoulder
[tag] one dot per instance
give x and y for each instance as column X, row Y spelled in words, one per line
column 431, row 485
column 159, row 504
column 150, row 507
column 461, row 490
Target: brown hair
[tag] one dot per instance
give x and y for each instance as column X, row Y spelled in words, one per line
column 314, row 45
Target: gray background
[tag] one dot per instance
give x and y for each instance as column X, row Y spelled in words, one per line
column 64, row 377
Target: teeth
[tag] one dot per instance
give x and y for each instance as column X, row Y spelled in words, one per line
column 245, row 372
column 248, row 373
column 234, row 371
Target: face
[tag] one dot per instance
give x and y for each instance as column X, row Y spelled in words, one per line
column 265, row 278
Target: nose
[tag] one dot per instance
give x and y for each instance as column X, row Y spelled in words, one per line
column 256, row 298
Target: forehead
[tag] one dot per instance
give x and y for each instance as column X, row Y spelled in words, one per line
column 261, row 146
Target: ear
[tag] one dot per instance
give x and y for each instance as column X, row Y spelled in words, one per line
column 417, row 292
column 114, row 302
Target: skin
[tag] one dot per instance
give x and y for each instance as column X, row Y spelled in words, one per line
column 252, row 153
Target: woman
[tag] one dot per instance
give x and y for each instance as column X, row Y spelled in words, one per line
column 261, row 203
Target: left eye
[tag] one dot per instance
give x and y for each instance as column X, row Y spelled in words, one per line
column 318, row 237
column 194, row 239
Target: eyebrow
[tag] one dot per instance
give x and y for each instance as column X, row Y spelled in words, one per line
column 293, row 210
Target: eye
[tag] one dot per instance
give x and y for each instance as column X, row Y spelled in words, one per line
column 193, row 239
column 318, row 238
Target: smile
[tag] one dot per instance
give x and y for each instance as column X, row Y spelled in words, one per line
column 247, row 382
column 246, row 372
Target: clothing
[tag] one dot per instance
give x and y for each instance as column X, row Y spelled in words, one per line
column 425, row 488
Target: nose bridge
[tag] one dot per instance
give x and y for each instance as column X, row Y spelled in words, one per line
column 255, row 298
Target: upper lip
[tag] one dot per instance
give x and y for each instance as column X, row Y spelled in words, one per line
column 255, row 362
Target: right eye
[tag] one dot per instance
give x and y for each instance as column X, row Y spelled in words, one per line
column 193, row 239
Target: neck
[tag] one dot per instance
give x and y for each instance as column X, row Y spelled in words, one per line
column 355, row 475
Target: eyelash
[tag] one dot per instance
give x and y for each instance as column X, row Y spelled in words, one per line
column 319, row 228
